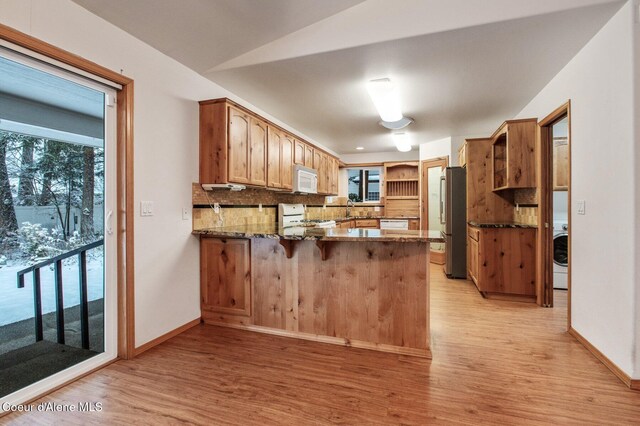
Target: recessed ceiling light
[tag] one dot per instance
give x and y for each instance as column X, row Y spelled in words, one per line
column 359, row 148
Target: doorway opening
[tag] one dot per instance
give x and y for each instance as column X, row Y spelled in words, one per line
column 432, row 204
column 554, row 245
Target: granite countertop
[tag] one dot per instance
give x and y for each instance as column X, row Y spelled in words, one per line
column 344, row 219
column 501, row 225
column 320, row 234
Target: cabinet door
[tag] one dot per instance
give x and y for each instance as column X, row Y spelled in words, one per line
column 308, row 156
column 298, row 153
column 560, row 165
column 414, row 224
column 474, row 259
column 318, row 164
column 274, row 179
column 225, row 276
column 239, row 124
column 286, row 161
column 257, row 152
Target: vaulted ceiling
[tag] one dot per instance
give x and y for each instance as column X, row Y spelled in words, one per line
column 461, row 66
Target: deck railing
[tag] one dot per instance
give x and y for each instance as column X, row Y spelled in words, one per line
column 81, row 252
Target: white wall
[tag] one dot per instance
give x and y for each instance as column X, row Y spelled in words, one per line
column 599, row 82
column 380, row 157
column 636, row 111
column 166, row 151
column 436, row 149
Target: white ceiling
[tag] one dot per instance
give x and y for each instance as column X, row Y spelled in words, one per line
column 462, row 66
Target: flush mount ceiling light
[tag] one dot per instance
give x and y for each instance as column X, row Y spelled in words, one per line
column 396, row 125
column 402, row 141
column 359, row 148
column 385, row 98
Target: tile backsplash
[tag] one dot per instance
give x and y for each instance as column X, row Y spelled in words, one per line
column 241, row 208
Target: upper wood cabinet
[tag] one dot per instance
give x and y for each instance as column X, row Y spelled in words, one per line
column 238, row 146
column 286, row 161
column 560, row 164
column 257, row 152
column 274, row 175
column 298, row 153
column 308, row 156
column 239, row 124
column 514, row 155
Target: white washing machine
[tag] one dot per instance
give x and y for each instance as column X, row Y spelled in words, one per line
column 560, row 253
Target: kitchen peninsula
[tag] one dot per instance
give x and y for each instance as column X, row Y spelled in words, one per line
column 366, row 288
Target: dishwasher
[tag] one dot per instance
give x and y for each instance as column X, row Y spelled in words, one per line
column 401, row 224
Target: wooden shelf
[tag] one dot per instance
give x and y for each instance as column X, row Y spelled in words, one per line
column 402, row 180
column 402, row 197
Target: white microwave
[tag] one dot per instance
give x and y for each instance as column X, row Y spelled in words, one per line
column 305, row 180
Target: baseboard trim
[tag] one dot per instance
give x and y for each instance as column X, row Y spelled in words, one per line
column 340, row 341
column 155, row 342
column 626, row 379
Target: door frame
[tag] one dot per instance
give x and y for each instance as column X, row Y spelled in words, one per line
column 124, row 176
column 435, row 257
column 544, row 262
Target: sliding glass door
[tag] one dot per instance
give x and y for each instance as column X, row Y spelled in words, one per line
column 57, row 246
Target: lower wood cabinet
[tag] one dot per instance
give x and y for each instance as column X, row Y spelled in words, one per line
column 225, row 276
column 414, row 224
column 347, row 224
column 503, row 260
column 367, row 223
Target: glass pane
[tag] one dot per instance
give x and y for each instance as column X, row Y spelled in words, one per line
column 51, row 204
column 434, row 203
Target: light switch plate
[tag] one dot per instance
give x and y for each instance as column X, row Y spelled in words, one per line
column 186, row 213
column 146, row 208
column 582, row 206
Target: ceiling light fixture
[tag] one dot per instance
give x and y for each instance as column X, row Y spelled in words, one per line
column 396, row 125
column 402, row 141
column 359, row 148
column 385, row 98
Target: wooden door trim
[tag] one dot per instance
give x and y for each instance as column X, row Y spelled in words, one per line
column 545, row 235
column 124, row 178
column 424, row 201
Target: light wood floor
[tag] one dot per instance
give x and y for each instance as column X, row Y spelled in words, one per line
column 493, row 362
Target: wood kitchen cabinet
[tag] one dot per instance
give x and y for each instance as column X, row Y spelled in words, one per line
column 239, row 124
column 367, row 223
column 279, row 159
column 298, row 153
column 347, row 224
column 502, row 261
column 514, row 155
column 414, row 224
column 225, row 276
column 560, row 164
column 239, row 146
column 308, row 156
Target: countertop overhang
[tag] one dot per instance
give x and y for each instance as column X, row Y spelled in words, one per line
column 320, row 234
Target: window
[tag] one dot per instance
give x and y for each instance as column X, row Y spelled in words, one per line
column 364, row 184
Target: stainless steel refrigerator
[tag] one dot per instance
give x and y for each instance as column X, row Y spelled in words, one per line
column 453, row 210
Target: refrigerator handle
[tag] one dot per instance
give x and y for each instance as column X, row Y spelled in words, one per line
column 442, row 182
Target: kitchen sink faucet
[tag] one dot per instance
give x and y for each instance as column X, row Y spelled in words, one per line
column 350, row 204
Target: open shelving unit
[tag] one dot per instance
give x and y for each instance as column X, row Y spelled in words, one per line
column 402, row 186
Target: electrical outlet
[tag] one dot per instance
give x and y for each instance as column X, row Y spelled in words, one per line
column 260, row 208
column 582, row 206
column 376, row 209
column 186, row 213
column 146, row 208
column 216, row 208
column 324, row 207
